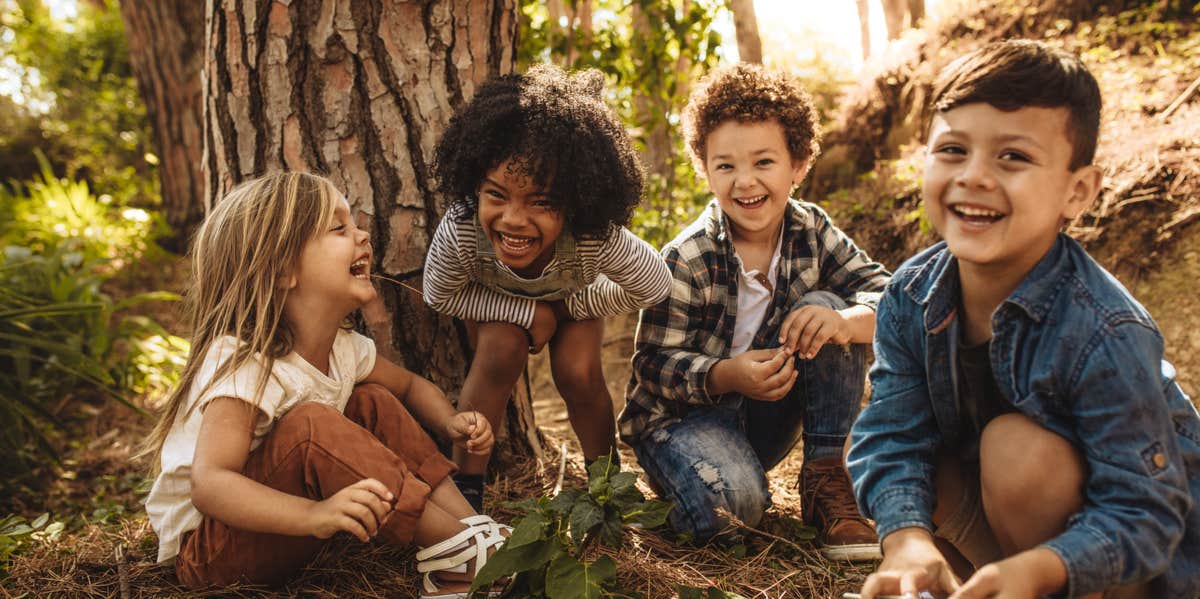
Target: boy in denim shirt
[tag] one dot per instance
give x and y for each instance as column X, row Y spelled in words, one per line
column 1024, row 432
column 764, row 332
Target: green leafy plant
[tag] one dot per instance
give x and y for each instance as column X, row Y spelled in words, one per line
column 60, row 331
column 15, row 533
column 545, row 556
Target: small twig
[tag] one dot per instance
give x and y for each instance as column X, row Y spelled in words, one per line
column 398, row 282
column 1187, row 93
column 122, row 570
column 562, row 470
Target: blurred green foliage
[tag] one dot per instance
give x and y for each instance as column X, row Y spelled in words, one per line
column 77, row 100
column 650, row 51
column 61, row 332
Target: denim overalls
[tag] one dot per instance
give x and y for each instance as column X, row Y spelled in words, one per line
column 561, row 278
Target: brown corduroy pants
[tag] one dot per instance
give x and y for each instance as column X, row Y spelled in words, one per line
column 314, row 451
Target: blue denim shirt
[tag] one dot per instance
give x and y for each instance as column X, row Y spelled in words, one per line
column 1076, row 353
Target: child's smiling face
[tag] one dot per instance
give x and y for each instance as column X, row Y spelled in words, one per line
column 998, row 184
column 335, row 266
column 751, row 171
column 517, row 215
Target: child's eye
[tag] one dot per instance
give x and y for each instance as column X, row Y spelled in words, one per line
column 765, row 162
column 1014, row 156
column 723, row 167
column 544, row 204
column 338, row 227
column 950, row 149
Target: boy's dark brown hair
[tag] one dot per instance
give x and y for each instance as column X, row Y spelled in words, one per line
column 1013, row 74
column 748, row 93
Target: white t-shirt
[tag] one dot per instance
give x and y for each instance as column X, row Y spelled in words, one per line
column 753, row 300
column 292, row 381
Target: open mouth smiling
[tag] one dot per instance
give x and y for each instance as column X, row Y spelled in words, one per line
column 751, row 202
column 361, row 269
column 976, row 215
column 515, row 243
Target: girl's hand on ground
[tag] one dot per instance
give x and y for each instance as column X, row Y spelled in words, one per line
column 911, row 564
column 358, row 509
column 762, row 374
column 808, row 328
column 545, row 323
column 471, row 431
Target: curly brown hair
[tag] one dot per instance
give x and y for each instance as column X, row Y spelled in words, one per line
column 555, row 129
column 747, row 92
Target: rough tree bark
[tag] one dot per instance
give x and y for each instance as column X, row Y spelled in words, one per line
column 899, row 15
column 745, row 24
column 166, row 50
column 360, row 92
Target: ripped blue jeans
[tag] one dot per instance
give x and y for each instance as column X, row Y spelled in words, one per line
column 718, row 457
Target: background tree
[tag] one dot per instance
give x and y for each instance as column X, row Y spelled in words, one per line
column 360, row 91
column 899, row 15
column 745, row 25
column 166, row 51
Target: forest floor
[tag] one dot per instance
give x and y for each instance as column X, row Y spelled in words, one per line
column 109, row 549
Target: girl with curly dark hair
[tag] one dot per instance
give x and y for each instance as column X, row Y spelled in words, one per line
column 541, row 179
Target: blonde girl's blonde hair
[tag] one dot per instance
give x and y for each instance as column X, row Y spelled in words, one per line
column 249, row 243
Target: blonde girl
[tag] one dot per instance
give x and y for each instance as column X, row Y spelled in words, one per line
column 287, row 428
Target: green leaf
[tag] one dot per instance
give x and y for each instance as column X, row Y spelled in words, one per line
column 651, row 513
column 528, row 529
column 40, row 521
column 567, row 578
column 564, row 502
column 585, row 515
column 611, row 531
column 511, row 560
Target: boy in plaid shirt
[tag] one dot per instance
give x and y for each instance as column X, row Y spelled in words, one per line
column 766, row 329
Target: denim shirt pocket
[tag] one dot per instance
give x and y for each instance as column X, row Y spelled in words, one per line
column 1154, row 458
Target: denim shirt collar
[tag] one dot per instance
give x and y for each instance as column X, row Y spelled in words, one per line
column 936, row 286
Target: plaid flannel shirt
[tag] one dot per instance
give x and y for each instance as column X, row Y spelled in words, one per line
column 682, row 337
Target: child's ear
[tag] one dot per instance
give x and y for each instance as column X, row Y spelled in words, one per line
column 1085, row 186
column 286, row 281
column 800, row 170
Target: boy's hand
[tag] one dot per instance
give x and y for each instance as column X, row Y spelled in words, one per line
column 358, row 509
column 808, row 328
column 911, row 564
column 471, row 431
column 1027, row 575
column 545, row 323
column 762, row 374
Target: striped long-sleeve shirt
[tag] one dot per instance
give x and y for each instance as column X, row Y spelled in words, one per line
column 681, row 338
column 622, row 274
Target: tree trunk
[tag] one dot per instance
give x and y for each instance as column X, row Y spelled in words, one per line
column 894, row 12
column 360, row 92
column 864, row 27
column 166, row 51
column 745, row 23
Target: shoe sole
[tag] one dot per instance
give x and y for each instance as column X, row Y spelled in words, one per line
column 852, row 553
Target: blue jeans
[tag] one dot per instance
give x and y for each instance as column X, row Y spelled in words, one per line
column 718, row 457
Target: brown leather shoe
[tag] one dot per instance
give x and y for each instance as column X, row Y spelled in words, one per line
column 827, row 503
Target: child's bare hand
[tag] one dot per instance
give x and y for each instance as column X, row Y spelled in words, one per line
column 911, row 564
column 358, row 509
column 471, row 431
column 1026, row 575
column 808, row 328
column 762, row 374
column 545, row 323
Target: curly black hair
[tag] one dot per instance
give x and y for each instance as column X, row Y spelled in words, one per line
column 749, row 93
column 551, row 127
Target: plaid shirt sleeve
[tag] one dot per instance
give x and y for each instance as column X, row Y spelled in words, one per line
column 845, row 269
column 667, row 360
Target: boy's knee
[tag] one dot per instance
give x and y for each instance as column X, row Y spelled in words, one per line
column 708, row 514
column 1023, row 464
